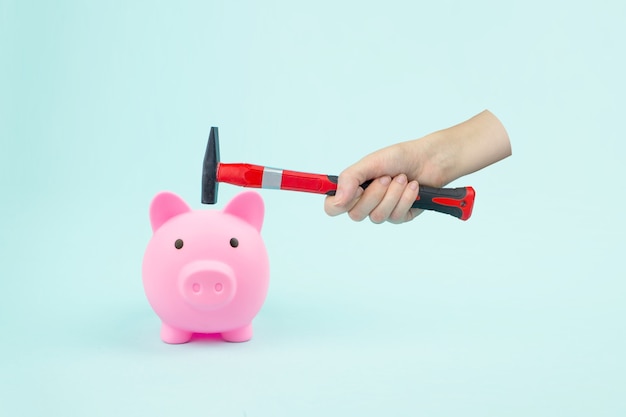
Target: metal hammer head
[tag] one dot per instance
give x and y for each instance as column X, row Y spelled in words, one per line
column 209, row 168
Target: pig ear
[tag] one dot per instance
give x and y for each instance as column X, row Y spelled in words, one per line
column 249, row 207
column 164, row 206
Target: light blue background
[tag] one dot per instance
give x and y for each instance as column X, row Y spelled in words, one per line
column 518, row 312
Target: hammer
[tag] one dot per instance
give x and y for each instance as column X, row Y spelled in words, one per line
column 457, row 202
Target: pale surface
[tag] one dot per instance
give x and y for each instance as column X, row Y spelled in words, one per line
column 517, row 312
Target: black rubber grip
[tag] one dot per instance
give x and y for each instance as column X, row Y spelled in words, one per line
column 457, row 202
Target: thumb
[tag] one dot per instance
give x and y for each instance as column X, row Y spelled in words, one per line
column 349, row 181
column 347, row 194
column 348, row 184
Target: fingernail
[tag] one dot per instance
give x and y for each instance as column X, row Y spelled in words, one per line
column 385, row 180
column 413, row 185
column 401, row 179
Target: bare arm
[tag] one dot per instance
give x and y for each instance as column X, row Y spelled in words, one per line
column 467, row 147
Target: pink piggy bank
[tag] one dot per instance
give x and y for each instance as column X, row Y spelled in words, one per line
column 206, row 271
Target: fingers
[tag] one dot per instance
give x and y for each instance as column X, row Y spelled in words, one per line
column 370, row 199
column 413, row 213
column 401, row 212
column 385, row 199
column 388, row 198
column 395, row 206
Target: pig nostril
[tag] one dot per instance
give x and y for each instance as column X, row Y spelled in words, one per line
column 219, row 287
column 196, row 287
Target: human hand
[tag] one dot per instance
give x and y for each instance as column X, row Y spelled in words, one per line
column 434, row 160
column 389, row 196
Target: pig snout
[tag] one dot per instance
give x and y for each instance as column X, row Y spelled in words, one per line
column 207, row 285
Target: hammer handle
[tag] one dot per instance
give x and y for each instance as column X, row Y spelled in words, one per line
column 457, row 202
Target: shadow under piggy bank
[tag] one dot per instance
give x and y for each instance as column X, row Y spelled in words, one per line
column 206, row 271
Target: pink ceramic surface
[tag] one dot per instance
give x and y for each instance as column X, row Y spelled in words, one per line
column 206, row 271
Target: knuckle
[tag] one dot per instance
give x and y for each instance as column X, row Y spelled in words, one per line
column 377, row 217
column 332, row 210
column 397, row 217
column 355, row 215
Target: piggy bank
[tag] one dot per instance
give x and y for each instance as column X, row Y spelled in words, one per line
column 206, row 271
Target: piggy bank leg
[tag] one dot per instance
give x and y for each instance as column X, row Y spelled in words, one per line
column 242, row 334
column 173, row 335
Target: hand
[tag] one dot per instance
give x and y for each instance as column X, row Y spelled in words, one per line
column 390, row 195
column 386, row 199
column 434, row 160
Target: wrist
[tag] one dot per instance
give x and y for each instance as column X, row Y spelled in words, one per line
column 434, row 159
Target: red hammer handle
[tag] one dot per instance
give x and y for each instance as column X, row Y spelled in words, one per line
column 245, row 175
column 312, row 183
column 257, row 176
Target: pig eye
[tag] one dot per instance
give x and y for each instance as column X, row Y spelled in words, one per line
column 178, row 244
column 234, row 242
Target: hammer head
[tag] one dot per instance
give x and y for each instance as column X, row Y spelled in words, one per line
column 209, row 168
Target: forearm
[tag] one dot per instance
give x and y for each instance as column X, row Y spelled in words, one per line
column 464, row 148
